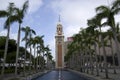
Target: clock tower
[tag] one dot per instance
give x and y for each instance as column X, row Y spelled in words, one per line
column 59, row 45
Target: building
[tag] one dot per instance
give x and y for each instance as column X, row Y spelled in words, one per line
column 59, row 45
column 66, row 43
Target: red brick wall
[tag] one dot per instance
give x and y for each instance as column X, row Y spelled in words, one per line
column 59, row 55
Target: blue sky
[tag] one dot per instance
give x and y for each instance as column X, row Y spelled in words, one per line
column 42, row 16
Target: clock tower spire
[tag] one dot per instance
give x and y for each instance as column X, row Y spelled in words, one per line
column 59, row 18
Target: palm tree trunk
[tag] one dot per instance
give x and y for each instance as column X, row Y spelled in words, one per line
column 30, row 59
column 116, row 41
column 105, row 59
column 87, row 61
column 34, row 58
column 47, row 62
column 37, row 61
column 97, row 70
column 91, row 63
column 83, row 61
column 113, row 57
column 43, row 61
column 6, row 49
column 100, row 40
column 80, row 60
column 100, row 59
column 117, row 47
column 17, row 52
column 24, row 66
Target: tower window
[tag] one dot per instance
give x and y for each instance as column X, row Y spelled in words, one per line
column 59, row 28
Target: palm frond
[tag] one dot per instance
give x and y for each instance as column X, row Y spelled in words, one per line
column 33, row 32
column 25, row 7
column 19, row 14
column 10, row 21
column 23, row 29
column 117, row 28
column 3, row 13
column 116, row 11
column 102, row 8
column 24, row 39
column 105, row 24
column 116, row 4
column 10, row 8
column 101, row 15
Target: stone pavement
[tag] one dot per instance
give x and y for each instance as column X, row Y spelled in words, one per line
column 101, row 76
column 111, row 75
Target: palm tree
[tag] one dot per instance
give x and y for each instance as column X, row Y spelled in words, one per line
column 89, row 52
column 8, row 13
column 20, row 13
column 91, row 29
column 69, row 55
column 40, row 50
column 47, row 50
column 77, row 40
column 28, row 33
column 39, row 42
column 32, row 42
column 109, row 12
column 84, row 41
column 96, row 23
column 49, row 59
column 29, row 43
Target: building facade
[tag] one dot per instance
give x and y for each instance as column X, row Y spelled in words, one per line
column 59, row 46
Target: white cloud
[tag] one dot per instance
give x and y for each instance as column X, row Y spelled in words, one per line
column 34, row 5
column 75, row 13
column 12, row 36
column 3, row 33
column 70, row 30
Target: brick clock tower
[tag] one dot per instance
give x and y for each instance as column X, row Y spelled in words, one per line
column 59, row 46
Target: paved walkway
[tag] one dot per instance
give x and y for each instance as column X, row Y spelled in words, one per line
column 21, row 77
column 101, row 76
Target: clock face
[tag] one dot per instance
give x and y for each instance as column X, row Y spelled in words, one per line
column 59, row 39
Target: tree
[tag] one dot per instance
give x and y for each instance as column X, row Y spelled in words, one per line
column 94, row 23
column 77, row 41
column 8, row 13
column 33, row 43
column 91, row 30
column 37, row 42
column 28, row 33
column 47, row 54
column 20, row 13
column 108, row 13
column 10, row 56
